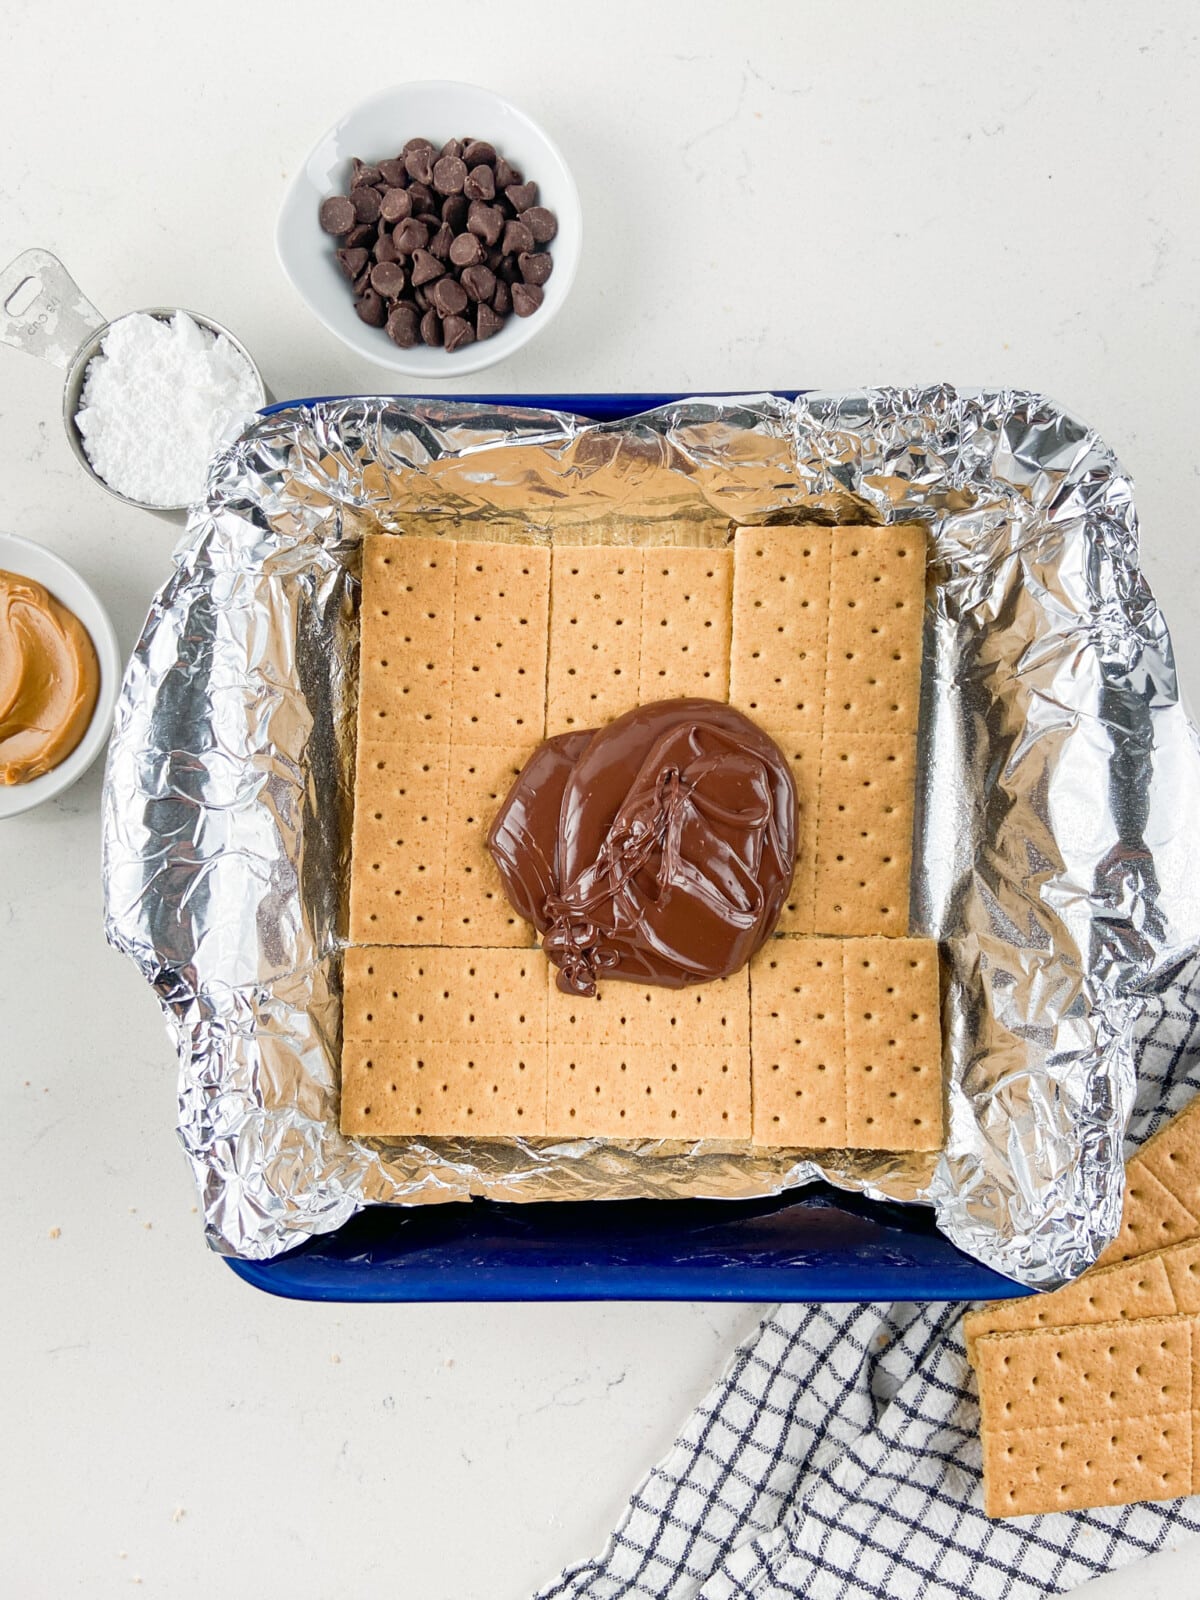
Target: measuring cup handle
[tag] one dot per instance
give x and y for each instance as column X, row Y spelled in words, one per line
column 57, row 320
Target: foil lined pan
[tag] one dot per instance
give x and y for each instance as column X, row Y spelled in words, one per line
column 1058, row 812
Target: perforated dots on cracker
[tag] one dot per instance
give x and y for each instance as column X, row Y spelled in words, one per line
column 1087, row 1416
column 476, row 909
column 500, row 610
column 799, row 1053
column 846, row 1043
column 863, row 834
column 406, row 638
column 893, row 1044
column 595, row 635
column 780, row 626
column 685, row 624
column 441, row 1042
column 639, row 1061
column 397, row 878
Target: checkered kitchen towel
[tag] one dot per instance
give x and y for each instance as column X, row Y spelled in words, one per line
column 838, row 1457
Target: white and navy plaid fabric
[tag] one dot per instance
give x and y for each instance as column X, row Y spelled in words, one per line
column 838, row 1457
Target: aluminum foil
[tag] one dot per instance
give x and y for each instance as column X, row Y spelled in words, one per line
column 1057, row 849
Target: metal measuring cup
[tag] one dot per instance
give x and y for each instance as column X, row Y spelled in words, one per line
column 62, row 326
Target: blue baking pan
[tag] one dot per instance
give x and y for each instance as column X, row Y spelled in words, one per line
column 817, row 1243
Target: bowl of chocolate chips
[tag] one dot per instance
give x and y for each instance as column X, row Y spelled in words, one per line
column 435, row 229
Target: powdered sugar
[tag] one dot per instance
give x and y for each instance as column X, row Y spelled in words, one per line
column 156, row 401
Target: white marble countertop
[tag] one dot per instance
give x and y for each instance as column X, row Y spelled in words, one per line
column 776, row 194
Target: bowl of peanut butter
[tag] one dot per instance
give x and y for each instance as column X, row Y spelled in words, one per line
column 60, row 669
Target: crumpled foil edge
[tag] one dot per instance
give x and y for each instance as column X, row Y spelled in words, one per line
column 1057, row 806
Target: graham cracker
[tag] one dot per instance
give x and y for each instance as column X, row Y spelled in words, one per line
column 826, row 656
column 631, row 625
column 406, row 639
column 1160, row 1228
column 643, row 1062
column 1162, row 1190
column 595, row 635
column 500, row 608
column 439, row 1042
column 846, row 1044
column 452, row 677
column 476, row 909
column 1088, row 1416
column 1164, row 1283
column 398, row 860
column 686, row 624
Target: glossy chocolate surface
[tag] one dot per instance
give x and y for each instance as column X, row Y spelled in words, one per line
column 659, row 849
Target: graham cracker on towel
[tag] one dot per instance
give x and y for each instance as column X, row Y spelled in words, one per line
column 847, row 1043
column 452, row 682
column 1162, row 1190
column 443, row 1041
column 826, row 656
column 639, row 1061
column 1097, row 1415
column 1164, row 1283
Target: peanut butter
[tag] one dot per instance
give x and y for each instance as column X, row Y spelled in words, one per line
column 49, row 680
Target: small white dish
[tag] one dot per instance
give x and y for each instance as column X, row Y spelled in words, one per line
column 377, row 129
column 31, row 560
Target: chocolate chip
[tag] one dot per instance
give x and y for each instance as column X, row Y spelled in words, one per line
column 409, row 236
column 454, row 211
column 425, row 267
column 526, row 298
column 485, row 221
column 480, row 184
column 431, row 328
column 542, row 224
column 448, row 297
column 457, row 331
column 449, row 175
column 419, row 163
column 479, row 282
column 395, row 205
column 535, row 267
column 366, row 205
column 466, row 250
column 403, row 326
column 370, row 308
column 387, row 279
column 441, row 246
column 422, row 197
column 352, row 262
column 521, row 196
column 517, row 237
column 337, row 215
column 487, row 322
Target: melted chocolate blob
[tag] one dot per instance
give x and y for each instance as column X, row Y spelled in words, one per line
column 659, row 849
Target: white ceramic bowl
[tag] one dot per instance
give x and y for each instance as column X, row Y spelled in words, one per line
column 64, row 583
column 379, row 128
